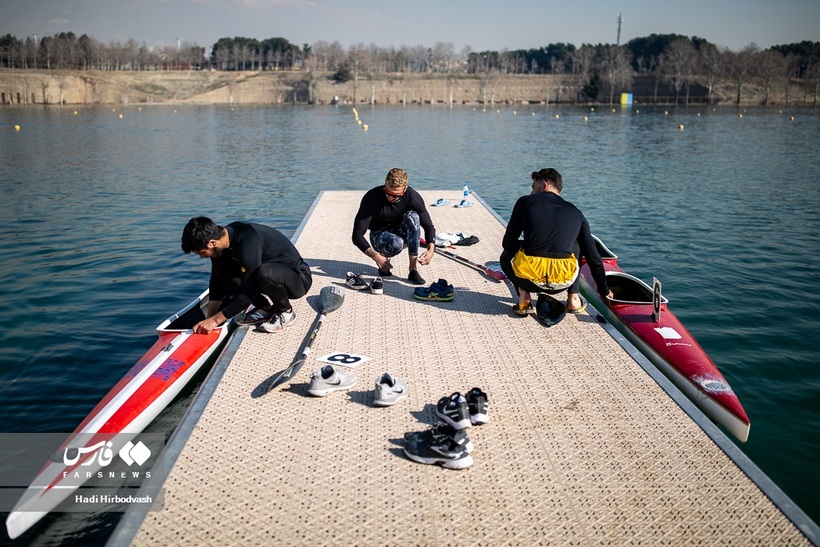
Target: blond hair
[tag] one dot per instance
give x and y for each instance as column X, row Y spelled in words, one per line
column 396, row 179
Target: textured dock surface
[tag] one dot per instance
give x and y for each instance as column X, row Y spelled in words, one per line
column 583, row 446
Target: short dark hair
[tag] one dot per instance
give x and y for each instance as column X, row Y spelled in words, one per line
column 198, row 232
column 550, row 176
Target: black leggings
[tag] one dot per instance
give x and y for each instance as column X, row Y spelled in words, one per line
column 275, row 284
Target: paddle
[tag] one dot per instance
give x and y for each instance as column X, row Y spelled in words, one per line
column 330, row 299
column 496, row 275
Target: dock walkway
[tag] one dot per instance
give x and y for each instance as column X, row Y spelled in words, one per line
column 586, row 445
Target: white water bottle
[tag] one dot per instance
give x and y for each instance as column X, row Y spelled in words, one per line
column 466, row 191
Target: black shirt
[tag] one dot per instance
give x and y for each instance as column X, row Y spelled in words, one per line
column 251, row 245
column 550, row 226
column 377, row 213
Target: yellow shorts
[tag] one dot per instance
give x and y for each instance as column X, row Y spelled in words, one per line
column 552, row 274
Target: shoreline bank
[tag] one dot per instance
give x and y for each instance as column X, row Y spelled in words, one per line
column 53, row 87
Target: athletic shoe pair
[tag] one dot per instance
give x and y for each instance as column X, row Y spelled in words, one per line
column 328, row 379
column 440, row 291
column 440, row 445
column 460, row 412
column 357, row 283
column 447, row 444
column 267, row 319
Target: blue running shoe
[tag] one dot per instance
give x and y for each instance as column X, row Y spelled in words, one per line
column 440, row 291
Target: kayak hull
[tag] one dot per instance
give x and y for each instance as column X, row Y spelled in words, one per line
column 133, row 403
column 667, row 344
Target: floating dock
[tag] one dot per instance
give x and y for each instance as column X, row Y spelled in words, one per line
column 587, row 443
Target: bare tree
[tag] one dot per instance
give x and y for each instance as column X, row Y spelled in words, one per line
column 712, row 62
column 616, row 64
column 741, row 67
column 678, row 64
column 772, row 69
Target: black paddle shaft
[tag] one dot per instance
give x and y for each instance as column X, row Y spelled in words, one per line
column 330, row 299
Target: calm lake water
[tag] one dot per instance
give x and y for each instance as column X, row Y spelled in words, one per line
column 725, row 212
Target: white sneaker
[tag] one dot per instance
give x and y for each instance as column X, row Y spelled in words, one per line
column 279, row 321
column 389, row 390
column 328, row 379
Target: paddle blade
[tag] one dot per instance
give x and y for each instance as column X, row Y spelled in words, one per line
column 494, row 271
column 286, row 374
column 331, row 298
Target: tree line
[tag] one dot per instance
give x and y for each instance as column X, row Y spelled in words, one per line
column 670, row 60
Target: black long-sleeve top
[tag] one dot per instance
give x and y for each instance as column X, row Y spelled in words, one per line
column 550, row 225
column 377, row 213
column 251, row 245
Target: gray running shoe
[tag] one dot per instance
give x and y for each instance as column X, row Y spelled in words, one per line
column 389, row 390
column 328, row 379
column 439, row 434
column 256, row 316
column 451, row 458
column 355, row 281
column 279, row 321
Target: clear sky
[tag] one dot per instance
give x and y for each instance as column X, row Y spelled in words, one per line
column 479, row 24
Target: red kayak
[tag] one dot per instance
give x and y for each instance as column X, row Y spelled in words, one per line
column 666, row 343
column 132, row 404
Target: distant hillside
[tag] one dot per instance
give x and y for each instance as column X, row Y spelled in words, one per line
column 270, row 87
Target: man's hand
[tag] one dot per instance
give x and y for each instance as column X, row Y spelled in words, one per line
column 382, row 262
column 207, row 325
column 427, row 256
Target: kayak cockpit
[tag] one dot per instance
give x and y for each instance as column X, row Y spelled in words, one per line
column 187, row 317
column 628, row 289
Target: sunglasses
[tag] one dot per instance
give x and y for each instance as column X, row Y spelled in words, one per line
column 393, row 196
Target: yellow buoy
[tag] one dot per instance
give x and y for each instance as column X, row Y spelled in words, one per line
column 533, row 113
column 17, row 128
column 791, row 118
column 613, row 110
column 637, row 111
column 665, row 112
column 120, row 116
column 359, row 122
column 557, row 116
column 364, row 127
column 740, row 116
column 75, row 112
column 592, row 109
column 515, row 113
column 680, row 127
column 586, row 119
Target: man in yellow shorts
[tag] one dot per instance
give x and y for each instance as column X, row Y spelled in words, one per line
column 556, row 236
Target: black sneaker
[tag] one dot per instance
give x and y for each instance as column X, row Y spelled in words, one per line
column 385, row 273
column 377, row 286
column 479, row 406
column 454, row 411
column 451, row 459
column 438, row 434
column 415, row 278
column 255, row 317
column 355, row 281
